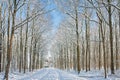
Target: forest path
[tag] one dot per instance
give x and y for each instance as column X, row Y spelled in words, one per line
column 52, row 74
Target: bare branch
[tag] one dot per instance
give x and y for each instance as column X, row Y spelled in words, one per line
column 20, row 6
column 30, row 19
column 98, row 11
column 70, row 15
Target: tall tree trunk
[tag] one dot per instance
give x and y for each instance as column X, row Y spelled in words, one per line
column 41, row 63
column 67, row 58
column 34, row 54
column 21, row 46
column 103, row 38
column 9, row 54
column 116, row 39
column 111, row 37
column 26, row 39
column 119, row 32
column 83, row 54
column 30, row 63
column 86, row 24
column 4, row 53
column 8, row 30
column 99, row 48
column 74, row 57
column 64, row 57
column 78, row 46
column 89, row 46
column 119, row 17
column 107, row 52
column 0, row 38
column 0, row 52
column 17, row 53
column 37, row 60
column 103, row 41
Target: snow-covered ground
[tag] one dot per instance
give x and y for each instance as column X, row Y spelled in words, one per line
column 98, row 75
column 51, row 74
column 43, row 74
column 56, row 74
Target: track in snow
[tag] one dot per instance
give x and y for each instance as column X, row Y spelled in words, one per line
column 52, row 74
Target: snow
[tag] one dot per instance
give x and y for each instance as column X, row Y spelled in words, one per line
column 98, row 75
column 56, row 74
column 52, row 74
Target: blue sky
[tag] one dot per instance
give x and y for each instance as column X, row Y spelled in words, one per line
column 56, row 15
column 56, row 18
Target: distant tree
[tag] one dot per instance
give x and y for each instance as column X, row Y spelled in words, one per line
column 0, row 37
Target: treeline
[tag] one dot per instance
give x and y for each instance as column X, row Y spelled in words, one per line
column 89, row 36
column 23, row 28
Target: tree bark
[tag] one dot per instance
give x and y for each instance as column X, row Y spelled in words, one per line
column 34, row 54
column 99, row 48
column 21, row 51
column 9, row 54
column 111, row 37
column 78, row 46
column 26, row 39
column 116, row 47
column 30, row 63
column 86, row 24
column 0, row 38
column 103, row 41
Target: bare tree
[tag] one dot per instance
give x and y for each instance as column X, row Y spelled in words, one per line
column 9, row 54
column 26, row 40
column 0, row 37
column 103, row 41
column 111, row 37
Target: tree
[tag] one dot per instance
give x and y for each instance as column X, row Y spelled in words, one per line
column 26, row 40
column 77, row 34
column 73, row 5
column 9, row 54
column 111, row 36
column 0, row 37
column 21, row 45
column 103, row 41
column 116, row 45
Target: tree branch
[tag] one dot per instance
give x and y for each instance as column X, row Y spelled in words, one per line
column 70, row 15
column 30, row 19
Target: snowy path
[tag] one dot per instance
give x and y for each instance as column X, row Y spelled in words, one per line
column 57, row 74
column 36, row 75
column 52, row 74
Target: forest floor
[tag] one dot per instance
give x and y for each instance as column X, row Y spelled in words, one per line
column 98, row 75
column 56, row 74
